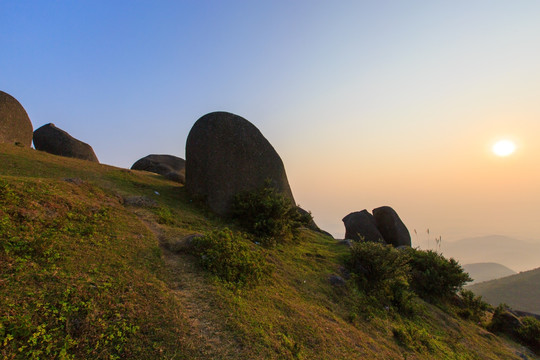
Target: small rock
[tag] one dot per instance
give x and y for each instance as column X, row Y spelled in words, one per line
column 180, row 245
column 346, row 242
column 75, row 181
column 346, row 273
column 336, row 280
column 140, row 201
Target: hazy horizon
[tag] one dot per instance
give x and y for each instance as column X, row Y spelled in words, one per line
column 367, row 103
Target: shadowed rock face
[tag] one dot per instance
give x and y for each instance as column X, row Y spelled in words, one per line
column 56, row 141
column 172, row 167
column 15, row 125
column 361, row 224
column 391, row 227
column 226, row 154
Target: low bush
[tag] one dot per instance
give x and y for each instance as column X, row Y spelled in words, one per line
column 381, row 271
column 529, row 332
column 471, row 307
column 414, row 338
column 434, row 277
column 268, row 214
column 502, row 321
column 525, row 330
column 231, row 257
column 165, row 216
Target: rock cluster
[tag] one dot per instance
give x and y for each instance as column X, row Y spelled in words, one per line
column 15, row 125
column 56, row 141
column 225, row 155
column 384, row 226
column 361, row 226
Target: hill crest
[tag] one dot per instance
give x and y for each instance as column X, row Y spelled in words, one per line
column 87, row 274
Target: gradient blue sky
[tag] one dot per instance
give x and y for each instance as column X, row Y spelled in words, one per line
column 368, row 103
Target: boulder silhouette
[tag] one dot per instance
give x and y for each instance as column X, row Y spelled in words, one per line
column 56, row 141
column 361, row 226
column 391, row 227
column 225, row 155
column 171, row 167
column 15, row 125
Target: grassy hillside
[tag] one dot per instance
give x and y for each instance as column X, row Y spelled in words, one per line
column 520, row 291
column 487, row 271
column 92, row 267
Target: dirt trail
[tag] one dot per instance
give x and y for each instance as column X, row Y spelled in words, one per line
column 194, row 292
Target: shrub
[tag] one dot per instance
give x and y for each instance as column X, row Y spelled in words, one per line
column 529, row 332
column 413, row 338
column 503, row 321
column 381, row 271
column 525, row 330
column 268, row 214
column 472, row 307
column 230, row 257
column 433, row 277
column 165, row 216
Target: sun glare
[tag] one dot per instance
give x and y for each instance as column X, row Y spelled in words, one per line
column 503, row 148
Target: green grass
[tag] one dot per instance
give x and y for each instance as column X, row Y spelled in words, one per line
column 85, row 276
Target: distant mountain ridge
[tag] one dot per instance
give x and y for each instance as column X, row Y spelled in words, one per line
column 520, row 291
column 512, row 253
column 480, row 272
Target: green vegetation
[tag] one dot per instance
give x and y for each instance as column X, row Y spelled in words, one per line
column 414, row 338
column 60, row 296
column 392, row 276
column 87, row 274
column 525, row 330
column 231, row 257
column 529, row 333
column 268, row 214
column 434, row 277
column 382, row 272
column 472, row 307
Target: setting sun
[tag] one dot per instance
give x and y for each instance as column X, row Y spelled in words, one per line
column 503, row 148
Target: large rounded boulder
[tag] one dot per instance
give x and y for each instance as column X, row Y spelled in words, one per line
column 361, row 226
column 15, row 125
column 391, row 227
column 56, row 141
column 171, row 167
column 225, row 155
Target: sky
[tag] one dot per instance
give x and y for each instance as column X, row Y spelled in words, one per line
column 368, row 103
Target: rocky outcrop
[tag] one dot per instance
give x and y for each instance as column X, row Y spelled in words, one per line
column 225, row 155
column 56, row 141
column 15, row 125
column 384, row 226
column 391, row 227
column 361, row 226
column 171, row 167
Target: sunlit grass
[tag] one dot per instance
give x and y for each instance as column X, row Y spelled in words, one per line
column 85, row 275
